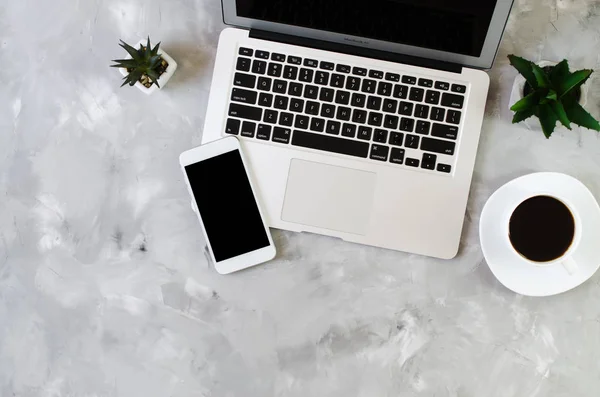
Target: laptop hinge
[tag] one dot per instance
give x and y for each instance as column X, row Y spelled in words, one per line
column 357, row 51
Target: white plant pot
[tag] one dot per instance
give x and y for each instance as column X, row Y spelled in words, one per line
column 516, row 94
column 162, row 80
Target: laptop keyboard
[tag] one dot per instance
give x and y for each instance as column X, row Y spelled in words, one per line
column 386, row 117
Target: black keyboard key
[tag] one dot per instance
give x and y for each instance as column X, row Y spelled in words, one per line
column 379, row 152
column 244, row 96
column 365, row 133
column 271, row 116
column 281, row 102
column 322, row 78
column 391, row 122
column 265, row 100
column 437, row 114
column 337, row 80
column 453, row 100
column 374, row 103
column 432, row 97
column 375, row 119
column 333, row 127
column 281, row 135
column 397, row 156
column 327, row 110
column 359, row 116
column 400, row 91
column 343, row 68
column 380, row 135
column 244, row 80
column 312, row 108
column 437, row 146
column 259, row 67
column 294, row 60
column 384, row 89
column 423, row 127
column 422, row 111
column 326, row 65
column 306, row 75
column 376, row 74
column 296, row 105
column 461, row 89
column 392, row 77
column 349, row 130
column 405, row 108
column 301, row 122
column 342, row 97
column 245, row 112
column 442, row 85
column 416, row 94
column 263, row 132
column 312, row 63
column 243, row 64
column 280, row 86
column 264, row 84
column 428, row 161
column 311, row 91
column 278, row 57
column 352, row 83
column 295, row 89
column 412, row 141
column 426, row 83
column 232, row 126
column 390, row 105
column 444, row 131
column 453, row 117
column 248, row 129
column 274, row 69
column 330, row 143
column 412, row 162
column 262, row 54
column 369, row 86
column 444, row 168
column 358, row 100
column 246, row 51
column 409, row 80
column 343, row 113
column 317, row 124
column 359, row 71
column 290, row 72
column 407, row 124
column 396, row 138
column 286, row 119
column 326, row 95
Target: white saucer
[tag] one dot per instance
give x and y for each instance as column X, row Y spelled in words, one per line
column 509, row 267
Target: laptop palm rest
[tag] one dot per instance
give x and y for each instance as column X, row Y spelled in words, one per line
column 329, row 197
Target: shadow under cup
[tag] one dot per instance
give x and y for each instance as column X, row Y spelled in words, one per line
column 542, row 229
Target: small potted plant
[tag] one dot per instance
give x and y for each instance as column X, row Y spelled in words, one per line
column 552, row 93
column 146, row 68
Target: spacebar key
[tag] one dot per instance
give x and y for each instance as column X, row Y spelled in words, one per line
column 330, row 144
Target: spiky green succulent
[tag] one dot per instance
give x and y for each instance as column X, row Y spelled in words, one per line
column 144, row 61
column 553, row 96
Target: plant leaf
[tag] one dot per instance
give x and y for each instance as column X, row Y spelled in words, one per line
column 547, row 120
column 125, row 63
column 559, row 72
column 523, row 66
column 574, row 80
column 552, row 95
column 580, row 116
column 540, row 76
column 523, row 115
column 132, row 51
column 155, row 49
column 527, row 102
column 559, row 111
column 152, row 74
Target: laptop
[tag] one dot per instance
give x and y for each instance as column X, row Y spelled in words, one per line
column 360, row 119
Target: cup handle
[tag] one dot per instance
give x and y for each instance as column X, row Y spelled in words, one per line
column 570, row 265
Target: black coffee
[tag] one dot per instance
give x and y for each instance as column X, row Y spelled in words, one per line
column 541, row 228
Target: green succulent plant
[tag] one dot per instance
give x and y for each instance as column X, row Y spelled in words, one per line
column 553, row 97
column 144, row 61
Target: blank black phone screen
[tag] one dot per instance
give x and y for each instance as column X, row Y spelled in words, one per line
column 227, row 206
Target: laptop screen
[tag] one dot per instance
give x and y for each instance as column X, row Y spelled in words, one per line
column 457, row 26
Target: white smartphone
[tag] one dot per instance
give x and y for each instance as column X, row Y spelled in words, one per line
column 224, row 200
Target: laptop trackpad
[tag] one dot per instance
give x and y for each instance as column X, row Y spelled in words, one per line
column 329, row 196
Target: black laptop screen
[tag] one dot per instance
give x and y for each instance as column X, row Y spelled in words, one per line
column 457, row 26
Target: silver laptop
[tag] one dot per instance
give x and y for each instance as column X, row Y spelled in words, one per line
column 360, row 119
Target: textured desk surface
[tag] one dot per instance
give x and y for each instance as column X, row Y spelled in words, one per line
column 104, row 285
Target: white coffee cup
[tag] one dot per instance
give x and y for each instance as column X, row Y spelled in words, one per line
column 566, row 259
